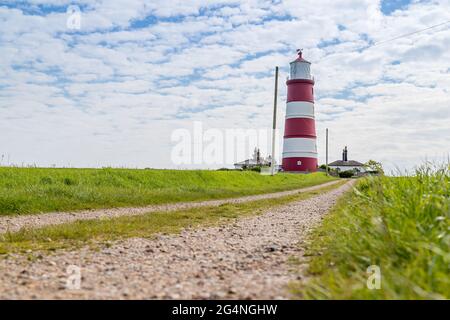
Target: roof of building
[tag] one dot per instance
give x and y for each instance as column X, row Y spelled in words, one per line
column 349, row 163
column 248, row 161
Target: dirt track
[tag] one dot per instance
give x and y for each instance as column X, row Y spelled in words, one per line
column 15, row 223
column 247, row 259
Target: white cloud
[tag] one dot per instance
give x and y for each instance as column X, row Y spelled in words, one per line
column 111, row 94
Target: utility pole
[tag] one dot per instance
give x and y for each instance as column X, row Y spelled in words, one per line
column 275, row 99
column 326, row 152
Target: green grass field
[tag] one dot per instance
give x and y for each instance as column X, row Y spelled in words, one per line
column 102, row 231
column 400, row 224
column 34, row 190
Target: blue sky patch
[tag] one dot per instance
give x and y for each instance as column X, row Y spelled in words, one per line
column 389, row 6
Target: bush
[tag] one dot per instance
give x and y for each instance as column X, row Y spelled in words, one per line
column 69, row 182
column 346, row 174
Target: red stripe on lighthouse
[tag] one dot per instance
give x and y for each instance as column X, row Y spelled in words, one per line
column 300, row 164
column 300, row 90
column 300, row 128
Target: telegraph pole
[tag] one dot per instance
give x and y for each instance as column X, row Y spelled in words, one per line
column 326, row 152
column 275, row 99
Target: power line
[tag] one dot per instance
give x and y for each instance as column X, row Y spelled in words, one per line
column 409, row 34
column 395, row 38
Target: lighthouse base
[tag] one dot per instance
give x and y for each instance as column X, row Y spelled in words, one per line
column 299, row 164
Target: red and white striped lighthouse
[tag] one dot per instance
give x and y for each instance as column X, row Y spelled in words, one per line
column 299, row 145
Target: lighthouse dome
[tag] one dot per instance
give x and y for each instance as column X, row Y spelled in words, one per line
column 300, row 68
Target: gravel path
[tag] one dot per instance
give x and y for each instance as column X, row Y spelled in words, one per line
column 15, row 223
column 247, row 259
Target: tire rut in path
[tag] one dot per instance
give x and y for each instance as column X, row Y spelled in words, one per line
column 247, row 259
column 15, row 223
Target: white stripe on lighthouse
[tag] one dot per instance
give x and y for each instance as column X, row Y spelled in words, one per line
column 300, row 109
column 299, row 147
column 299, row 155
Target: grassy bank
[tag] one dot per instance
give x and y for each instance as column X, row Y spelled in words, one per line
column 32, row 190
column 399, row 224
column 102, row 231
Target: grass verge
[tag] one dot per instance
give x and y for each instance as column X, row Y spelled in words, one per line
column 35, row 190
column 400, row 224
column 101, row 231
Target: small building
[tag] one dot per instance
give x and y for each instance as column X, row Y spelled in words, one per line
column 255, row 161
column 347, row 165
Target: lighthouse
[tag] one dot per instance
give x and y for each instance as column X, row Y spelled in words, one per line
column 299, row 142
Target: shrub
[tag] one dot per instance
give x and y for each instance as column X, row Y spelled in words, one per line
column 69, row 182
column 346, row 174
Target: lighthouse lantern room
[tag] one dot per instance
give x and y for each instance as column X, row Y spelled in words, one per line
column 299, row 145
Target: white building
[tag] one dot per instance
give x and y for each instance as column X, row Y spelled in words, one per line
column 347, row 165
column 255, row 161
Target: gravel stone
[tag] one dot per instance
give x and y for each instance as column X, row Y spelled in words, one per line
column 226, row 262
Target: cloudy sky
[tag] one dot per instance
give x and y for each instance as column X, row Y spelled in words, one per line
column 112, row 92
